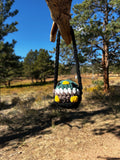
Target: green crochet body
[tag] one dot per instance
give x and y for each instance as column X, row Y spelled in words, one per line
column 67, row 91
column 71, row 84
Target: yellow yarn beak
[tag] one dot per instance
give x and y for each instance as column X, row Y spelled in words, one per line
column 74, row 99
column 57, row 99
column 65, row 82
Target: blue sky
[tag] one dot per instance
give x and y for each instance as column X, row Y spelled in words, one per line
column 34, row 25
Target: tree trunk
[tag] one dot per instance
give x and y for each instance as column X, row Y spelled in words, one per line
column 5, row 84
column 32, row 80
column 44, row 79
column 9, row 84
column 105, row 63
column 105, row 58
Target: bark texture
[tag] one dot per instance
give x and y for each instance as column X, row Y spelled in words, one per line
column 105, row 58
column 105, row 62
column 60, row 13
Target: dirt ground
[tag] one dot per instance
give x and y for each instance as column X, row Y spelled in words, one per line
column 31, row 132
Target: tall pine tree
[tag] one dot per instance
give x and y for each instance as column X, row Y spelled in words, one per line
column 44, row 64
column 5, row 28
column 29, row 65
column 10, row 66
column 97, row 24
column 38, row 65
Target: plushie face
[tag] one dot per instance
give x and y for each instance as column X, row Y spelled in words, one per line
column 67, row 91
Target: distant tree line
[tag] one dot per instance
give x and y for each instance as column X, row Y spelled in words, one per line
column 38, row 65
column 97, row 32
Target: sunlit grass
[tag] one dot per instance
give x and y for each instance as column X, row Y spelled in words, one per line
column 26, row 86
column 23, row 90
column 31, row 100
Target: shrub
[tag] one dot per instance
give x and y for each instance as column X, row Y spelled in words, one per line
column 98, row 82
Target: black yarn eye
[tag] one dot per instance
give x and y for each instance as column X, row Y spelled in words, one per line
column 74, row 85
column 58, row 83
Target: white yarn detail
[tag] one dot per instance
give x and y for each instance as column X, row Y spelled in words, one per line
column 57, row 91
column 74, row 90
column 78, row 92
column 61, row 90
column 69, row 90
column 65, row 91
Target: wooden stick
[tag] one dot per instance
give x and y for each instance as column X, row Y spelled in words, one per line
column 60, row 13
column 53, row 32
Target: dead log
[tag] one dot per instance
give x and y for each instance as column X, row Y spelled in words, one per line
column 60, row 13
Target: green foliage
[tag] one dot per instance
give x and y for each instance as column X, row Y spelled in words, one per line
column 91, row 30
column 86, row 68
column 64, row 69
column 98, row 82
column 5, row 13
column 5, row 28
column 29, row 64
column 38, row 65
column 67, row 54
column 115, row 68
column 98, row 85
column 44, row 64
column 96, row 66
column 97, row 25
column 10, row 66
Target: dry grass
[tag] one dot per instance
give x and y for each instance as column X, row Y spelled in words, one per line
column 24, row 86
column 91, row 132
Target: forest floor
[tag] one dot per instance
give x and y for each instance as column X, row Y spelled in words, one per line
column 31, row 130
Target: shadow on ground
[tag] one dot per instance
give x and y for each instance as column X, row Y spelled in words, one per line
column 109, row 158
column 112, row 102
column 4, row 105
column 30, row 84
column 24, row 122
column 110, row 99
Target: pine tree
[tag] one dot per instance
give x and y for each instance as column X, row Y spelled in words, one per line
column 44, row 64
column 10, row 66
column 97, row 24
column 29, row 65
column 5, row 13
column 67, row 54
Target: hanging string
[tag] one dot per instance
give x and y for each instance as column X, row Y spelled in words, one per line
column 76, row 60
column 75, row 56
column 68, row 104
column 57, row 60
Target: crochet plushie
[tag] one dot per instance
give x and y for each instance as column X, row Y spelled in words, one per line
column 67, row 92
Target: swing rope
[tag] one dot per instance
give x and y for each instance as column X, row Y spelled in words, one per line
column 75, row 57
column 77, row 60
column 57, row 60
